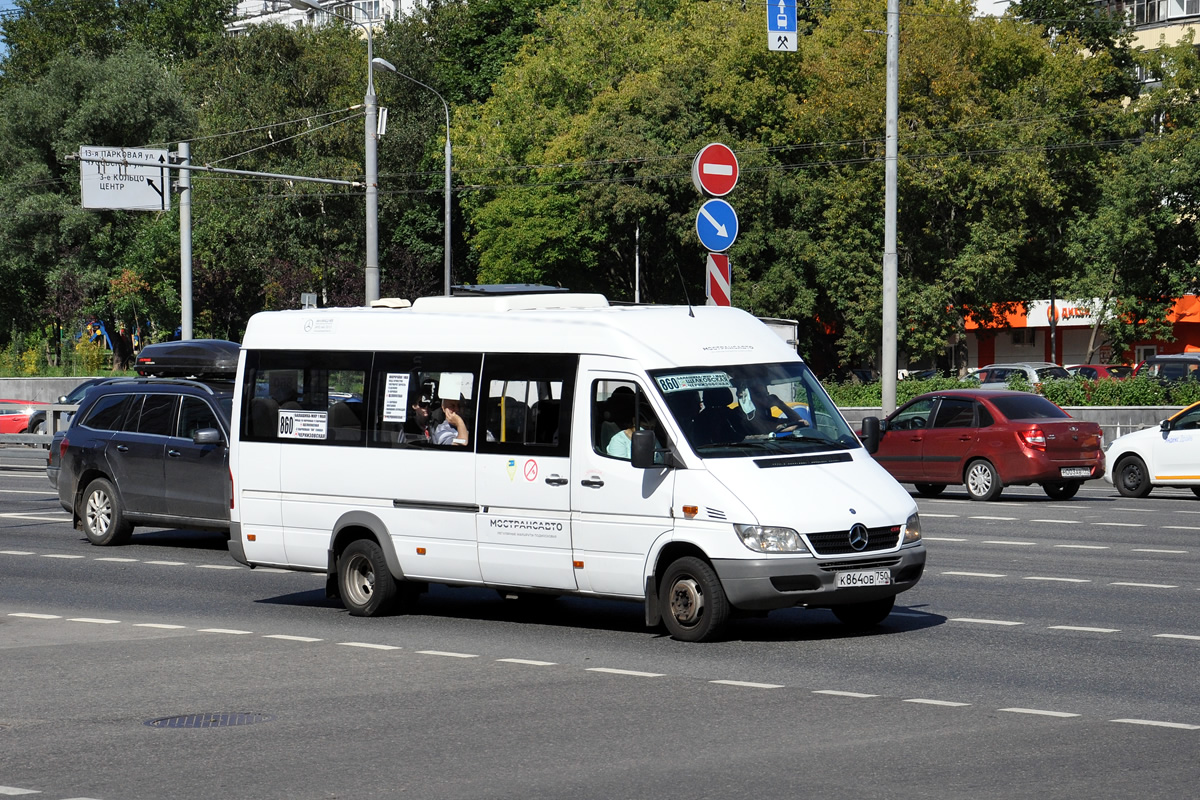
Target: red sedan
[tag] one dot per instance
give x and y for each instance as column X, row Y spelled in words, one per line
column 14, row 415
column 987, row 440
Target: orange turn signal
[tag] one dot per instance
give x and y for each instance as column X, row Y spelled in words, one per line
column 691, row 511
column 577, row 564
column 420, row 551
column 251, row 537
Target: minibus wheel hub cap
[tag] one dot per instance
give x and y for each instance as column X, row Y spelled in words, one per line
column 687, row 601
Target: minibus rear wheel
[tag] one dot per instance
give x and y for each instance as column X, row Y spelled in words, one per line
column 694, row 603
column 367, row 586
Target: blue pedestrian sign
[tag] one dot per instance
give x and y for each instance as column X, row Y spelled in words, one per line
column 781, row 25
column 717, row 225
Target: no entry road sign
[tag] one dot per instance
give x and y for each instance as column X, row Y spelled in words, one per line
column 715, row 170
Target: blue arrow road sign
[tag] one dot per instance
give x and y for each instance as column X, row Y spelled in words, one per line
column 781, row 25
column 717, row 225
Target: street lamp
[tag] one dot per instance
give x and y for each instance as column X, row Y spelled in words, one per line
column 370, row 159
column 379, row 63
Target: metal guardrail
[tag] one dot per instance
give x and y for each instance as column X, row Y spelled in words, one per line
column 54, row 416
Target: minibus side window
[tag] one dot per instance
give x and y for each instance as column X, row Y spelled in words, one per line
column 407, row 390
column 304, row 397
column 526, row 404
column 618, row 409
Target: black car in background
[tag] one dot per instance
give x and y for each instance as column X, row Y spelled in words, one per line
column 147, row 451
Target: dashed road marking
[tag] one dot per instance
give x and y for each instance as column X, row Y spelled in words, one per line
column 942, row 538
column 977, row 621
column 95, row 621
column 1039, row 712
column 1180, row 528
column 160, row 625
column 446, row 654
column 1083, row 546
column 369, row 645
column 630, row 672
column 1163, row 552
column 1018, row 544
column 928, row 702
column 1121, row 524
column 839, row 693
column 926, row 515
column 231, row 631
column 750, row 685
column 997, row 519
column 1085, row 630
column 61, row 555
column 16, row 552
column 217, row 566
column 168, row 563
column 1158, row 724
column 29, row 615
column 1057, row 521
column 117, row 559
column 13, row 791
column 35, row 517
column 529, row 662
column 288, row 638
column 1060, row 580
column 976, row 574
column 1145, row 585
column 1176, row 636
column 25, row 491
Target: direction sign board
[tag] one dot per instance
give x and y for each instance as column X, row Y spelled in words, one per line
column 781, row 25
column 114, row 183
column 715, row 170
column 717, row 225
column 717, row 280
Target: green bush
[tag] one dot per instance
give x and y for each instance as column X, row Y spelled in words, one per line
column 1064, row 392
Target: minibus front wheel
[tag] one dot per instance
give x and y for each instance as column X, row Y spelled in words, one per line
column 364, row 581
column 693, row 601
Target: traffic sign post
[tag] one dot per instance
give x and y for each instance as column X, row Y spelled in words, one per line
column 715, row 170
column 717, row 225
column 124, row 186
column 718, row 280
column 781, row 25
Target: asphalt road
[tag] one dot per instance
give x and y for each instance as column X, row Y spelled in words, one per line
column 1049, row 651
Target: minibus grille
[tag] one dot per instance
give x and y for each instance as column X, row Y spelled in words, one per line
column 836, row 543
column 868, row 563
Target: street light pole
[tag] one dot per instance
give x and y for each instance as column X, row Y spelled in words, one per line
column 384, row 65
column 370, row 150
column 888, row 361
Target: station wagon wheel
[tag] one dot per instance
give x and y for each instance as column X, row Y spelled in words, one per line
column 864, row 615
column 694, row 604
column 930, row 489
column 1061, row 491
column 982, row 481
column 364, row 580
column 1130, row 477
column 103, row 520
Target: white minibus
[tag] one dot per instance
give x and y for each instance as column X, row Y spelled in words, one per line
column 684, row 458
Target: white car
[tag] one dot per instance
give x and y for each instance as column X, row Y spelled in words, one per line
column 1168, row 455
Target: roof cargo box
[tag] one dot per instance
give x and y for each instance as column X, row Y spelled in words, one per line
column 191, row 358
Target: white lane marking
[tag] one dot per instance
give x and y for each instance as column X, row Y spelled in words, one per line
column 16, row 552
column 63, row 518
column 29, row 615
column 1060, row 580
column 1057, row 521
column 1085, row 630
column 369, row 645
column 287, row 638
column 1150, row 550
column 1145, row 585
column 928, row 702
column 750, row 685
column 1039, row 712
column 986, row 621
column 1180, row 528
column 115, row 558
column 232, row 631
column 217, row 566
column 61, row 555
column 13, row 791
column 95, row 621
column 1083, row 546
column 631, row 672
column 168, row 563
column 162, row 625
column 903, row 614
column 999, row 519
column 1121, row 524
column 976, row 574
column 1158, row 724
column 26, row 491
column 1019, row 544
column 927, row 515
column 527, row 662
column 1176, row 636
column 446, row 654
column 838, row 693
column 942, row 539
column 273, row 569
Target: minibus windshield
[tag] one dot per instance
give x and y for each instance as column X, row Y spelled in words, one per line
column 753, row 409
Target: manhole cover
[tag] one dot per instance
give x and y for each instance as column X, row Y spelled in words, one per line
column 221, row 720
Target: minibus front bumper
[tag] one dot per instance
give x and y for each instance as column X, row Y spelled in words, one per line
column 762, row 584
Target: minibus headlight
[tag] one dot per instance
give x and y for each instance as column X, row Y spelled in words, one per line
column 764, row 539
column 912, row 529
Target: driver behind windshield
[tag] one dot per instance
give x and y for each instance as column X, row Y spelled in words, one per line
column 758, row 406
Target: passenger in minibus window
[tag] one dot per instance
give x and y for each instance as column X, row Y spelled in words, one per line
column 453, row 429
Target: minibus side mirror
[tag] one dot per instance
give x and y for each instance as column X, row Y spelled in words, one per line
column 206, row 436
column 870, row 434
column 1165, row 425
column 642, row 448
